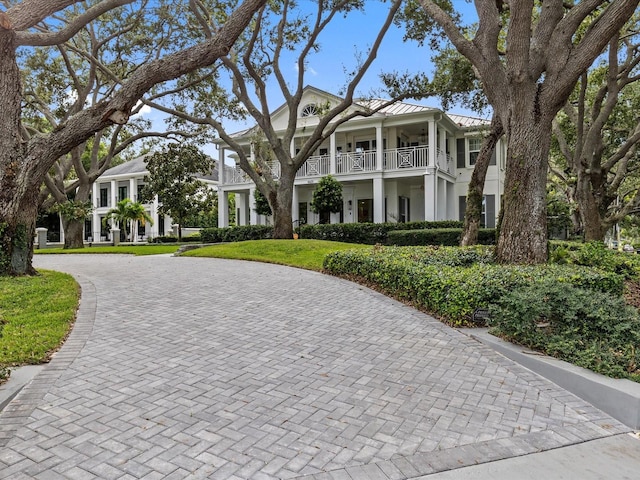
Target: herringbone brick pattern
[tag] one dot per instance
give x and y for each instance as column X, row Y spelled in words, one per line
column 202, row 368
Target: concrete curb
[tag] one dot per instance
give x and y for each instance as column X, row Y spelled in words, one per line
column 620, row 398
column 20, row 376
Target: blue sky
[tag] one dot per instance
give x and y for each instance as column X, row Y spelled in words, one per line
column 341, row 42
column 345, row 37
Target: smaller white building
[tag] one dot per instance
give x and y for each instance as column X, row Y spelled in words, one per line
column 126, row 181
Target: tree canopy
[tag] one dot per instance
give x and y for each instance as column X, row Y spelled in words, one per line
column 25, row 159
column 173, row 177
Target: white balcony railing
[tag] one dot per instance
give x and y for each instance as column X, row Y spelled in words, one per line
column 356, row 162
column 406, row 158
column 315, row 166
column 397, row 159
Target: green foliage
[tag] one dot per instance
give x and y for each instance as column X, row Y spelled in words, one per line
column 368, row 233
column 594, row 254
column 592, row 329
column 126, row 212
column 437, row 236
column 262, row 204
column 195, row 238
column 74, row 210
column 173, row 176
column 327, row 196
column 38, row 312
column 236, row 234
column 452, row 282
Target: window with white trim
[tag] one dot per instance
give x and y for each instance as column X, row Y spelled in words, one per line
column 474, row 149
column 309, row 110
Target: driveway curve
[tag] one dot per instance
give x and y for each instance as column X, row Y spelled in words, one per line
column 203, row 368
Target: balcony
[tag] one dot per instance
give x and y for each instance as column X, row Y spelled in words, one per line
column 396, row 159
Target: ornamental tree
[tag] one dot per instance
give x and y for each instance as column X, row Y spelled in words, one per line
column 327, row 197
column 173, row 177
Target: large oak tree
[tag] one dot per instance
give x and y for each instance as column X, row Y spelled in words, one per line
column 597, row 138
column 24, row 160
column 548, row 45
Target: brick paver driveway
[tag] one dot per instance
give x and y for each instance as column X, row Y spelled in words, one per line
column 203, row 368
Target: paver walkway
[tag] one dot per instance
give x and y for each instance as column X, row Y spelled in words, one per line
column 203, row 368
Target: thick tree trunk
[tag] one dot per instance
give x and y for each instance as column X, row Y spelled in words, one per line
column 473, row 212
column 281, row 202
column 523, row 219
column 589, row 209
column 73, row 230
column 18, row 199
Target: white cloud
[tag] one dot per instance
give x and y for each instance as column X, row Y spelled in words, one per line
column 143, row 111
column 308, row 69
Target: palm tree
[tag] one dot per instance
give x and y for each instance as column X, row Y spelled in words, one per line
column 129, row 214
column 137, row 216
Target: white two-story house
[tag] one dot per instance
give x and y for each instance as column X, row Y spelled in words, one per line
column 126, row 181
column 405, row 163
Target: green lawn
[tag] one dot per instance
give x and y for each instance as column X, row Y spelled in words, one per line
column 37, row 313
column 143, row 249
column 308, row 254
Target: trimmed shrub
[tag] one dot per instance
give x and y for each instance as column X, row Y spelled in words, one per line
column 592, row 329
column 453, row 282
column 367, row 233
column 436, row 236
column 163, row 239
column 594, row 254
column 236, row 234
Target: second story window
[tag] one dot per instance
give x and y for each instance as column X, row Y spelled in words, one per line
column 474, row 149
column 122, row 193
column 104, row 197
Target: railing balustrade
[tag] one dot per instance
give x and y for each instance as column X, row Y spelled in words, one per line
column 315, row 166
column 356, row 162
column 397, row 159
column 406, row 157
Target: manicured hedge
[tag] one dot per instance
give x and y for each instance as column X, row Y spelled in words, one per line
column 592, row 329
column 436, row 236
column 171, row 239
column 367, row 233
column 453, row 282
column 236, row 234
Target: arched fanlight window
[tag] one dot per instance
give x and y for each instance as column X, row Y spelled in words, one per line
column 310, row 109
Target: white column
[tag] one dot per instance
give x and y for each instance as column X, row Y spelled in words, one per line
column 221, row 172
column 433, row 143
column 378, row 200
column 223, row 209
column 95, row 218
column 133, row 190
column 332, row 153
column 379, row 148
column 95, row 195
column 391, row 191
column 61, row 230
column 295, row 213
column 443, row 149
column 241, row 207
column 430, row 196
column 114, row 194
column 253, row 215
column 154, row 229
column 443, row 187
